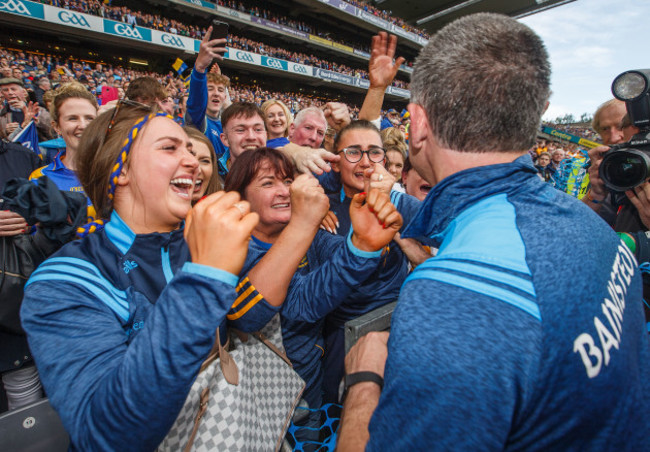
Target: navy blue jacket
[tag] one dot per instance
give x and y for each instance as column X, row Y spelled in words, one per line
column 118, row 325
column 197, row 105
column 329, row 272
column 525, row 332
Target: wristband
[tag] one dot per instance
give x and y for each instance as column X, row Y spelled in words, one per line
column 591, row 199
column 361, row 377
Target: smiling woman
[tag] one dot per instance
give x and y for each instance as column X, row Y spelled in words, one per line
column 72, row 110
column 136, row 303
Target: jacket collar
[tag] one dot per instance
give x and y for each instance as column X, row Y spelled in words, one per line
column 461, row 190
column 121, row 235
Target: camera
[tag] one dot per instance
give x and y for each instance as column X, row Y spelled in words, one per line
column 627, row 165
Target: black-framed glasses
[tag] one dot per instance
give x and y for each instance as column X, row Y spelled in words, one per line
column 354, row 154
column 127, row 102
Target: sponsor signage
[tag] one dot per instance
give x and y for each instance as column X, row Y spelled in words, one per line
column 334, row 76
column 320, row 40
column 73, row 19
column 343, row 47
column 127, row 31
column 282, row 28
column 233, row 13
column 244, row 57
column 361, row 82
column 400, row 32
column 298, row 68
column 275, row 63
column 381, row 23
column 202, row 4
column 172, row 40
column 398, row 92
column 343, row 6
column 22, row 7
column 362, row 53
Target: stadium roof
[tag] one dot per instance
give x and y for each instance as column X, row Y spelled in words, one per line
column 432, row 15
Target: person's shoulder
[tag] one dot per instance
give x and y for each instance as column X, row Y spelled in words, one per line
column 42, row 171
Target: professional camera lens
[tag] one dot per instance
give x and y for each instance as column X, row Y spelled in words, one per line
column 624, row 169
column 629, row 85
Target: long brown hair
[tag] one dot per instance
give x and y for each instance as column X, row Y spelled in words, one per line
column 98, row 153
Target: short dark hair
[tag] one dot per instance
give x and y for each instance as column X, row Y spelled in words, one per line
column 245, row 109
column 146, row 90
column 483, row 81
column 245, row 168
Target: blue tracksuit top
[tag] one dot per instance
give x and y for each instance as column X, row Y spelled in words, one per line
column 525, row 332
column 383, row 285
column 331, row 269
column 119, row 325
column 197, row 104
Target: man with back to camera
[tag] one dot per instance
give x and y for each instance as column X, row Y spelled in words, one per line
column 493, row 345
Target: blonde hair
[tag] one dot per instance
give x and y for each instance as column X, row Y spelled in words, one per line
column 271, row 102
column 70, row 90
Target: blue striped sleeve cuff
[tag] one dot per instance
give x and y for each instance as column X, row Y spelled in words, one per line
column 357, row 252
column 211, row 272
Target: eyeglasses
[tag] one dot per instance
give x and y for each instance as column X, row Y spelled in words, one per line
column 127, row 102
column 354, row 154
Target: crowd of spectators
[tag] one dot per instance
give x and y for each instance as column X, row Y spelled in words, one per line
column 156, row 22
column 388, row 16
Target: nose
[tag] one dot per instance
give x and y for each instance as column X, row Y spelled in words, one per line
column 365, row 160
column 190, row 160
column 283, row 190
column 617, row 136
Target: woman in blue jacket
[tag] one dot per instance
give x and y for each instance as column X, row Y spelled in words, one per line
column 292, row 264
column 120, row 321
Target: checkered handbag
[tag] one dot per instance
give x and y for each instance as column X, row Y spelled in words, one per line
column 242, row 401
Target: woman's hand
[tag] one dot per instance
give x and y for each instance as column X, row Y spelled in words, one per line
column 309, row 203
column 217, row 231
column 377, row 176
column 330, row 223
column 374, row 223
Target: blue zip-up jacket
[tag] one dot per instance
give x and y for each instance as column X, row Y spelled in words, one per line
column 383, row 285
column 119, row 324
column 331, row 269
column 197, row 105
column 525, row 332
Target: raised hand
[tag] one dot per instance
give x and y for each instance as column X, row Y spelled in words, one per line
column 382, row 68
column 374, row 223
column 309, row 203
column 209, row 50
column 337, row 115
column 217, row 231
column 377, row 176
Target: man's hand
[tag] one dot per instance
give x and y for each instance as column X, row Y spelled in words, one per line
column 598, row 189
column 309, row 160
column 30, row 111
column 381, row 68
column 209, row 50
column 368, row 354
column 309, row 203
column 11, row 223
column 11, row 127
column 640, row 198
column 217, row 231
column 337, row 115
column 374, row 223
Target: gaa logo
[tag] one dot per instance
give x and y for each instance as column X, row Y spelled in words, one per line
column 241, row 56
column 272, row 62
column 126, row 30
column 299, row 69
column 14, row 6
column 233, row 13
column 172, row 40
column 71, row 18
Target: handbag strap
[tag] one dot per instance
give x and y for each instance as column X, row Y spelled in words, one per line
column 228, row 365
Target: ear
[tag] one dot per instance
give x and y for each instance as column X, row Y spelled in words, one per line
column 292, row 127
column 336, row 166
column 55, row 126
column 123, row 178
column 420, row 130
column 224, row 139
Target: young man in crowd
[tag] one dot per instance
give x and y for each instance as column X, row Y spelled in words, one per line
column 208, row 93
column 243, row 130
column 489, row 348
